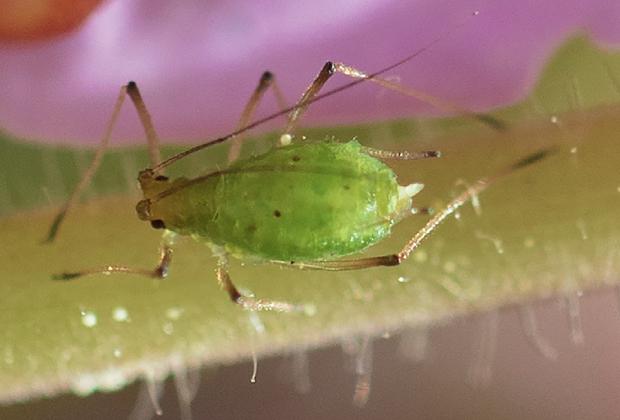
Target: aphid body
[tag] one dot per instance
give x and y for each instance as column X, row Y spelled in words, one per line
column 304, row 202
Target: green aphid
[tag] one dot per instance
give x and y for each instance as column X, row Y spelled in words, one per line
column 305, row 205
column 303, row 202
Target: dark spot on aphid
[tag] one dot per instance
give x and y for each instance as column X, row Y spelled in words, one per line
column 296, row 158
column 251, row 228
column 158, row 224
column 347, row 187
column 161, row 178
column 277, row 213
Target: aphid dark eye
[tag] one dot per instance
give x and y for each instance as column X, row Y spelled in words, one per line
column 161, row 178
column 277, row 213
column 158, row 224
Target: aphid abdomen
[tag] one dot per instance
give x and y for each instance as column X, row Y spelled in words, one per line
column 304, row 202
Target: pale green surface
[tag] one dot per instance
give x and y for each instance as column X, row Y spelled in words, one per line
column 551, row 228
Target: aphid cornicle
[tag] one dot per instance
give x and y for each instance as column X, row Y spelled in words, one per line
column 307, row 204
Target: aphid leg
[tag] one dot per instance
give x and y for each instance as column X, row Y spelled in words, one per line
column 293, row 117
column 159, row 272
column 131, row 89
column 266, row 81
column 248, row 302
column 430, row 226
column 440, row 104
column 88, row 174
column 330, row 68
column 401, row 155
column 147, row 123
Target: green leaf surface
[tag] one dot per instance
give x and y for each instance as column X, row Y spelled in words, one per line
column 547, row 230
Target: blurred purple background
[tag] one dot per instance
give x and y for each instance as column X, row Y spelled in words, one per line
column 197, row 62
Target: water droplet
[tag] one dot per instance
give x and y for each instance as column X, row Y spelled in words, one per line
column 89, row 319
column 112, row 380
column 309, row 309
column 174, row 313
column 120, row 314
column 285, row 139
column 84, row 385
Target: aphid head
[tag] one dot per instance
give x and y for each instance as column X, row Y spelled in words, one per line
column 145, row 212
column 151, row 186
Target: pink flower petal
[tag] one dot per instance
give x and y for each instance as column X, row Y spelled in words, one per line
column 197, row 63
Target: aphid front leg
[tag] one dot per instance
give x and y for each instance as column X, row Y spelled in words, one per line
column 247, row 302
column 131, row 89
column 266, row 81
column 159, row 272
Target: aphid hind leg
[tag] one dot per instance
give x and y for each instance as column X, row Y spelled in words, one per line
column 430, row 226
column 247, row 302
column 266, row 81
column 131, row 89
column 160, row 271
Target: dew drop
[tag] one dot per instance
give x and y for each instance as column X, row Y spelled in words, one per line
column 254, row 367
column 120, row 314
column 89, row 319
column 174, row 313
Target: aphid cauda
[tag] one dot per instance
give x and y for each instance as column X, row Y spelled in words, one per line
column 302, row 204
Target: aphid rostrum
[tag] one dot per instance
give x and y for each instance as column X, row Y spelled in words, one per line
column 307, row 205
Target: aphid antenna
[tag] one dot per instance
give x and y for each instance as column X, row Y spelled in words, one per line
column 360, row 78
column 310, row 96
